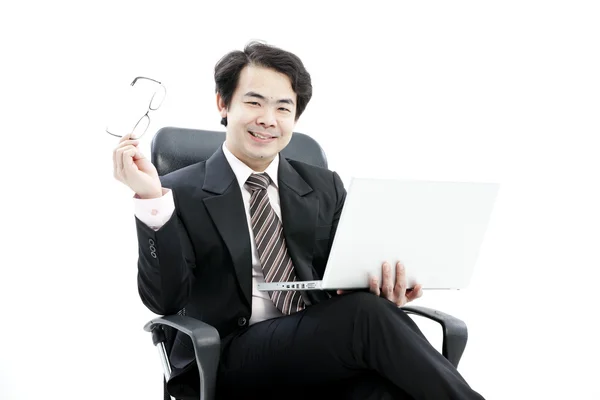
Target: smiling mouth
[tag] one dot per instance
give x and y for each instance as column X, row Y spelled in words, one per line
column 260, row 136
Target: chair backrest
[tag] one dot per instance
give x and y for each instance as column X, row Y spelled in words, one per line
column 174, row 148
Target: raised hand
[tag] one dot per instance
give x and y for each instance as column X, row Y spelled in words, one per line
column 134, row 170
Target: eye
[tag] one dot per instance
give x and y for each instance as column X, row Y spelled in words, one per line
column 284, row 109
column 254, row 103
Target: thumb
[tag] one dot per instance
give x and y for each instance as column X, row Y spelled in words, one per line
column 138, row 155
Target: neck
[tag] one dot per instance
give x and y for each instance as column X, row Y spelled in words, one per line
column 256, row 165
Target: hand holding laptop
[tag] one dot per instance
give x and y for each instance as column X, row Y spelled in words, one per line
column 393, row 288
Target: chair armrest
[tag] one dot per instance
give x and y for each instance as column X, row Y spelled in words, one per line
column 455, row 331
column 207, row 346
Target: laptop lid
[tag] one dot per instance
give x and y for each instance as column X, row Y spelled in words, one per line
column 434, row 228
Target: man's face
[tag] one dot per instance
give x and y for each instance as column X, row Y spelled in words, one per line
column 261, row 116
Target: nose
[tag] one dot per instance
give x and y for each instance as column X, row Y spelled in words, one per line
column 267, row 119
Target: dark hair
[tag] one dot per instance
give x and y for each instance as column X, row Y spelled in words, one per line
column 227, row 72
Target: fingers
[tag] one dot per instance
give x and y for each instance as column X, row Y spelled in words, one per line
column 124, row 149
column 374, row 285
column 125, row 143
column 387, row 286
column 124, row 159
column 129, row 156
column 125, row 137
column 400, row 286
column 119, row 156
column 394, row 286
column 415, row 293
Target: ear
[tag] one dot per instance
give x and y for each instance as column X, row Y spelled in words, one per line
column 221, row 106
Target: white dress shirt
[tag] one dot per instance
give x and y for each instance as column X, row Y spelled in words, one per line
column 156, row 212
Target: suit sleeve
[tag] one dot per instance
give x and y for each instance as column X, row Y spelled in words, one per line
column 166, row 259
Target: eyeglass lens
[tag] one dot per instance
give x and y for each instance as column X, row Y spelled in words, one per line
column 141, row 127
column 131, row 108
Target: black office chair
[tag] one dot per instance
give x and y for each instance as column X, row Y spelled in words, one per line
column 174, row 148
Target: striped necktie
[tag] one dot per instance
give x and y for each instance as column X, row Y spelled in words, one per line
column 268, row 233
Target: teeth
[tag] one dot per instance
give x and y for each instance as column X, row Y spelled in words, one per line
column 258, row 136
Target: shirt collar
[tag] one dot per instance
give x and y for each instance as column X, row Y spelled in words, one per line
column 242, row 171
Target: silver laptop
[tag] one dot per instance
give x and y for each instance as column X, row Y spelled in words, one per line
column 435, row 228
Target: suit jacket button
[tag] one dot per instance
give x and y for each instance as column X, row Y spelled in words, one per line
column 242, row 321
column 151, row 242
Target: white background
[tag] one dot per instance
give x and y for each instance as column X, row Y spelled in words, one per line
column 465, row 90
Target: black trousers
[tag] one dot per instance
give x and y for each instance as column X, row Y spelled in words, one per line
column 356, row 346
column 360, row 345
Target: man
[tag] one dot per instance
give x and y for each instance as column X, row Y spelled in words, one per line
column 208, row 233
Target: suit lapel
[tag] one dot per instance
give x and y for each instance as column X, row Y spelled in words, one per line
column 299, row 214
column 226, row 209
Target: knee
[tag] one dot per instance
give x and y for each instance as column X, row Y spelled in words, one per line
column 368, row 303
column 371, row 310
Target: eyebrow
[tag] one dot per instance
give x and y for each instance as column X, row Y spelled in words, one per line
column 260, row 96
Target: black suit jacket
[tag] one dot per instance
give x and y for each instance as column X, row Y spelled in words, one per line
column 201, row 258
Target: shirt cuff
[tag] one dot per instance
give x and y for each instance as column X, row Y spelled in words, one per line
column 155, row 212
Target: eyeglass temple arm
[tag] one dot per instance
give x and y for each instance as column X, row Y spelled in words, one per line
column 143, row 77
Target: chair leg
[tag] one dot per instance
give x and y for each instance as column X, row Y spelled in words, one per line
column 166, row 368
column 165, row 393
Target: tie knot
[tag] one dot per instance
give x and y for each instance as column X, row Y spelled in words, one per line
column 257, row 182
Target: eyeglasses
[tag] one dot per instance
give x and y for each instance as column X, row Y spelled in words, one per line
column 158, row 93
